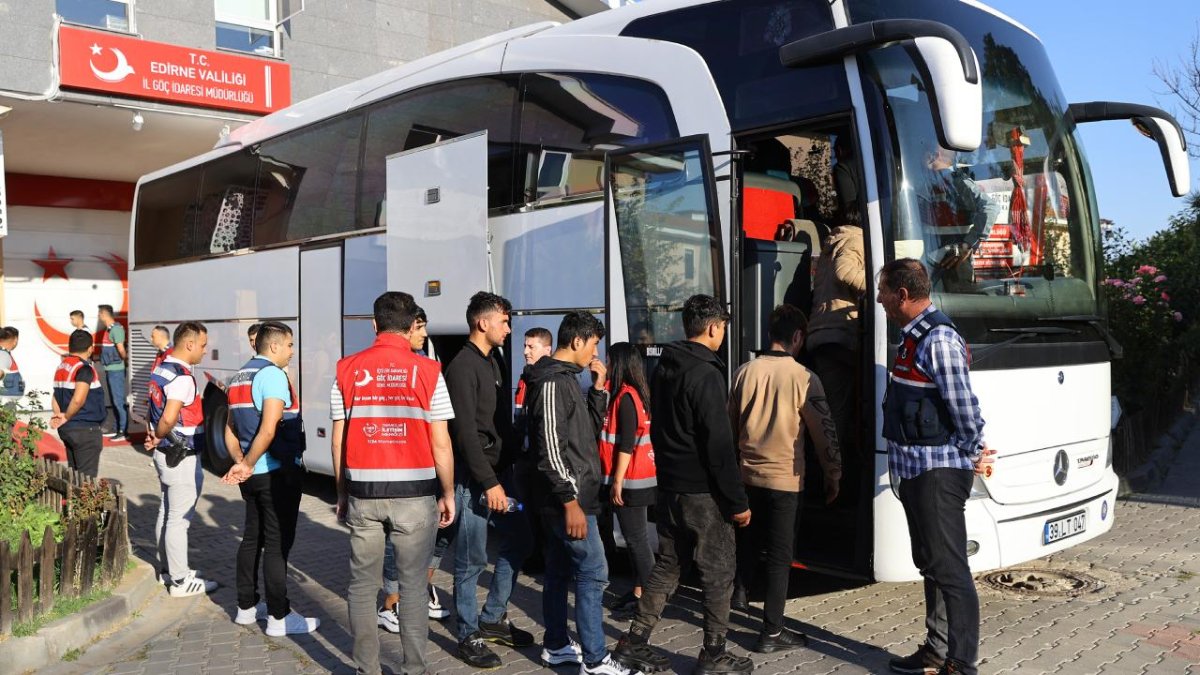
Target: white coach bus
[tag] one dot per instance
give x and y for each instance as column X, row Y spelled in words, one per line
column 623, row 162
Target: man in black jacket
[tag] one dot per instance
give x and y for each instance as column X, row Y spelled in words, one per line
column 563, row 431
column 700, row 491
column 475, row 380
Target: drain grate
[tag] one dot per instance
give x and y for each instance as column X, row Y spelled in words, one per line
column 1043, row 582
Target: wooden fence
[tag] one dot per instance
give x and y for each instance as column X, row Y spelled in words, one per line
column 44, row 570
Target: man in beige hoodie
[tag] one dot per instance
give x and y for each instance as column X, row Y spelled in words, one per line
column 772, row 401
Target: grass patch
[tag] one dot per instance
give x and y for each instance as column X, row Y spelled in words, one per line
column 62, row 607
column 72, row 655
column 1185, row 575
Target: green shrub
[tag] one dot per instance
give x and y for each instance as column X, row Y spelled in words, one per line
column 34, row 518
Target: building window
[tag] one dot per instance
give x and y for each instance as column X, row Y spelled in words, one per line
column 247, row 26
column 108, row 14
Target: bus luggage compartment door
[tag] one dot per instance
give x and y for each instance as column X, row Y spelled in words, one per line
column 437, row 230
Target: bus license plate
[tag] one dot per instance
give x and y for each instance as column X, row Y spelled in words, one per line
column 1067, row 526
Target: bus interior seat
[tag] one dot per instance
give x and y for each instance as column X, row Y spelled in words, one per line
column 767, row 202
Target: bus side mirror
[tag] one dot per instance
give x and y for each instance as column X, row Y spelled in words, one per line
column 1152, row 123
column 945, row 56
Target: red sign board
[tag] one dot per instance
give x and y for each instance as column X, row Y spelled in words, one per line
column 119, row 64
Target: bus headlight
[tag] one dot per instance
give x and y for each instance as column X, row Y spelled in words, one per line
column 978, row 489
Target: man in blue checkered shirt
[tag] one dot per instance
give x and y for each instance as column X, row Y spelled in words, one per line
column 935, row 447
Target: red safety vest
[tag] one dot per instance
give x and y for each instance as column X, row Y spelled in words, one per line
column 641, row 474
column 387, row 391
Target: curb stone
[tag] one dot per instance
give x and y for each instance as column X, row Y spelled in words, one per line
column 26, row 654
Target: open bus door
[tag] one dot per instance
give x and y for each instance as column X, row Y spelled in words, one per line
column 663, row 242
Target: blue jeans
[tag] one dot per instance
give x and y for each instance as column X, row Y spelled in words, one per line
column 115, row 380
column 584, row 561
column 470, row 557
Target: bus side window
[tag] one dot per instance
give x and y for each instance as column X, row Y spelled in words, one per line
column 437, row 113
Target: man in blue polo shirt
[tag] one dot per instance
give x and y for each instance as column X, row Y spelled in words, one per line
column 266, row 435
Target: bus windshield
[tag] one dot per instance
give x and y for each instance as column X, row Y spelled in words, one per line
column 1009, row 231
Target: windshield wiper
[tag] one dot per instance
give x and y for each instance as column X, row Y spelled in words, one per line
column 1018, row 334
column 1095, row 321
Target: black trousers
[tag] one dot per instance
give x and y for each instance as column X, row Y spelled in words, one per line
column 634, row 522
column 83, row 443
column 933, row 505
column 772, row 531
column 691, row 530
column 272, row 507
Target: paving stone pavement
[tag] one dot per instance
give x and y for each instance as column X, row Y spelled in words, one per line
column 1147, row 619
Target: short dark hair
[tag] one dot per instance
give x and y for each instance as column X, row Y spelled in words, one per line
column 419, row 315
column 483, row 302
column 161, row 329
column 268, row 332
column 906, row 273
column 253, row 330
column 579, row 324
column 79, row 342
column 785, row 321
column 8, row 333
column 540, row 333
column 186, row 330
column 395, row 311
column 108, row 309
column 77, row 312
column 701, row 311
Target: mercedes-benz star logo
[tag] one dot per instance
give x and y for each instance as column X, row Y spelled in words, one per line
column 1061, row 464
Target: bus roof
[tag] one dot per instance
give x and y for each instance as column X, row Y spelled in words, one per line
column 393, row 80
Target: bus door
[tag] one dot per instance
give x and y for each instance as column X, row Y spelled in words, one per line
column 437, row 228
column 663, row 241
column 795, row 186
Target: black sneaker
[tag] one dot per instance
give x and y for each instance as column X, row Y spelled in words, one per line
column 625, row 604
column 723, row 662
column 640, row 656
column 921, row 662
column 504, row 633
column 781, row 641
column 475, row 653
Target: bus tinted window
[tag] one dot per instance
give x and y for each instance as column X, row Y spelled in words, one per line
column 434, row 114
column 568, row 121
column 306, row 182
column 200, row 211
column 740, row 41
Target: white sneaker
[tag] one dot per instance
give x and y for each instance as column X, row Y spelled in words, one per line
column 292, row 624
column 436, row 611
column 568, row 653
column 191, row 585
column 252, row 615
column 607, row 667
column 388, row 620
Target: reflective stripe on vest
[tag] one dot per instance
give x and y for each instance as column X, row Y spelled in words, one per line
column 641, row 473
column 93, row 410
column 247, row 418
column 387, row 390
column 191, row 416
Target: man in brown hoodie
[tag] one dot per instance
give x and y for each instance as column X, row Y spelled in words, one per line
column 772, row 401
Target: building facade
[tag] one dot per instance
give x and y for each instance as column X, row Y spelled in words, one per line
column 96, row 93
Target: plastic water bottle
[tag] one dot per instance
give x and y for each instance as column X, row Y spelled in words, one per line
column 513, row 505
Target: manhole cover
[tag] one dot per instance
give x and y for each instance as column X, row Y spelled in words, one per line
column 1041, row 581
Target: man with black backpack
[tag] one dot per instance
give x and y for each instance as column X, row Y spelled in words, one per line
column 266, row 436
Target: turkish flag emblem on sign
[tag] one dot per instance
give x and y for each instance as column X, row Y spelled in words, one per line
column 120, row 64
